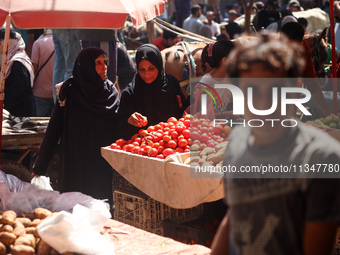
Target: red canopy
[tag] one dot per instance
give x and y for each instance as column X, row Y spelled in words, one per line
column 79, row 13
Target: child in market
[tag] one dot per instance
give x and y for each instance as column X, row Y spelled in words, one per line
column 273, row 214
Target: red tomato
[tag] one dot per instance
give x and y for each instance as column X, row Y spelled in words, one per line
column 121, row 142
column 180, row 137
column 158, row 126
column 135, row 150
column 158, row 136
column 142, row 133
column 171, row 144
column 195, row 135
column 138, row 140
column 129, row 147
column 189, row 141
column 187, row 123
column 153, row 152
column 149, row 138
column 150, row 129
column 142, row 151
column 161, row 148
column 179, row 128
column 160, row 156
column 115, row 146
column 161, row 143
column 147, row 148
column 174, row 134
column 135, row 144
column 145, row 121
column 186, row 133
column 204, row 138
column 172, row 120
column 168, row 152
column 205, row 130
column 182, row 143
column 218, row 129
column 155, row 145
column 166, row 138
column 179, row 150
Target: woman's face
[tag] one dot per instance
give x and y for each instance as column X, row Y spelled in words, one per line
column 147, row 71
column 101, row 66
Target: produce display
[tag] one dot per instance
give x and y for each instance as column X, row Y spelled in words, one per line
column 177, row 136
column 19, row 236
column 331, row 121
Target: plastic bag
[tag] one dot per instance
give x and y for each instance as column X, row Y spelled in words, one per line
column 8, row 184
column 31, row 197
column 43, row 182
column 66, row 201
column 13, row 183
column 78, row 232
column 24, row 197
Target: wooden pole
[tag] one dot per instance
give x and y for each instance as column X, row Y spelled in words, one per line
column 150, row 27
column 3, row 72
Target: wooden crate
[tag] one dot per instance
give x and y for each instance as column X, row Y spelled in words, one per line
column 119, row 183
column 149, row 214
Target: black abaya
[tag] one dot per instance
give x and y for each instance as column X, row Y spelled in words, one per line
column 86, row 123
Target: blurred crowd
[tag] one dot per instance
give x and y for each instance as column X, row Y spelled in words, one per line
column 51, row 53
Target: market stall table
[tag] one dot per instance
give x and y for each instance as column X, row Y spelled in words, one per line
column 137, row 241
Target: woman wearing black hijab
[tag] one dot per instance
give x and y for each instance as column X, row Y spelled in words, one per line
column 84, row 120
column 152, row 94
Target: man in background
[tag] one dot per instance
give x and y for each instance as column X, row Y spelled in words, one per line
column 42, row 59
column 167, row 40
column 215, row 28
column 193, row 23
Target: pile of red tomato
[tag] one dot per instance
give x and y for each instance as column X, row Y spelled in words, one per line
column 174, row 136
column 161, row 140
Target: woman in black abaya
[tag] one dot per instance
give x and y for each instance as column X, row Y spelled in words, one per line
column 152, row 94
column 84, row 120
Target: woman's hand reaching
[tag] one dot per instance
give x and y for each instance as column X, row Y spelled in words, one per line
column 138, row 120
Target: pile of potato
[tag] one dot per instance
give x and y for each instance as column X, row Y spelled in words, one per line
column 208, row 156
column 19, row 236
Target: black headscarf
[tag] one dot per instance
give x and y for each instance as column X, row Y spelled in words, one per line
column 87, row 87
column 151, row 53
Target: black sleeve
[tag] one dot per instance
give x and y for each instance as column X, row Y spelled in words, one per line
column 182, row 102
column 50, row 141
column 126, row 108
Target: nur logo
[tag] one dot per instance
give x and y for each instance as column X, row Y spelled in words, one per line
column 238, row 99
